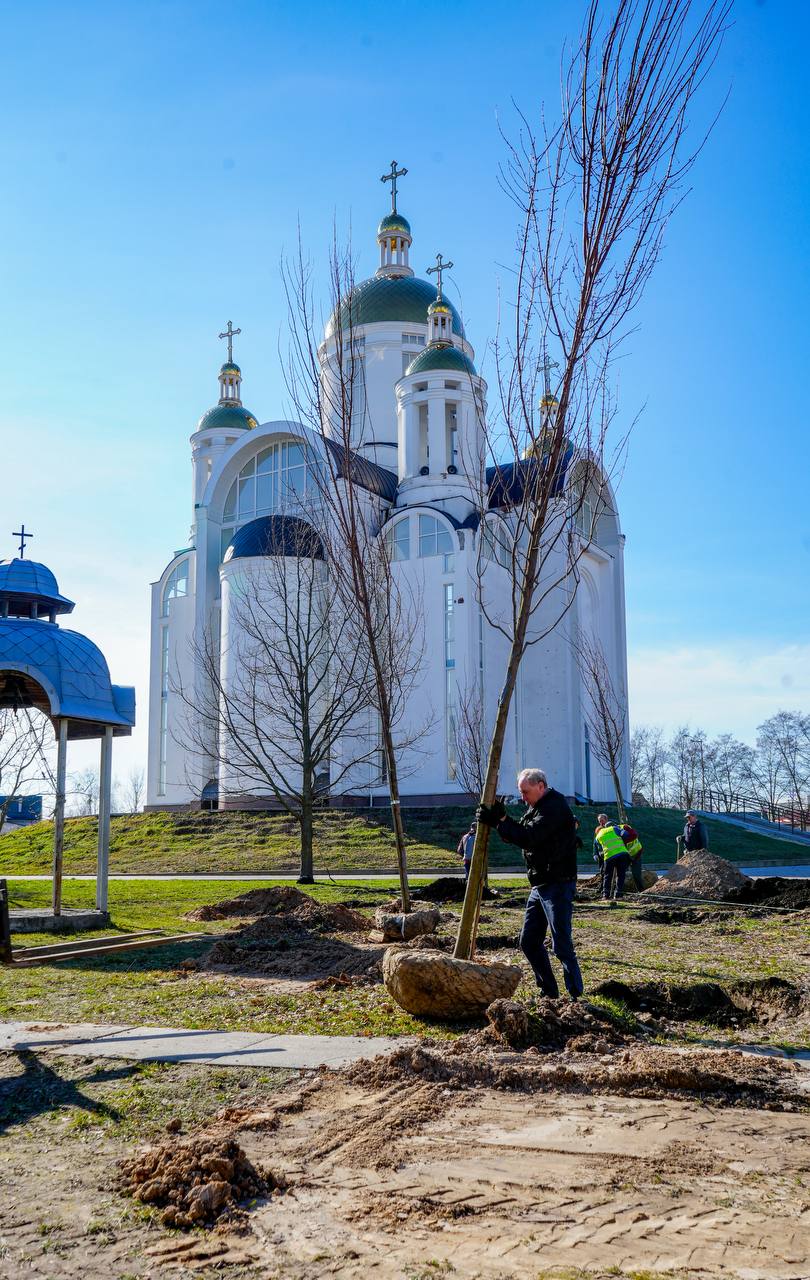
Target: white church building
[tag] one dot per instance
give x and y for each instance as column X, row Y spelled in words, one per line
column 418, row 433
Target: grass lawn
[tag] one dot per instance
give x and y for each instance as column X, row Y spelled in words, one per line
column 207, row 843
column 148, row 988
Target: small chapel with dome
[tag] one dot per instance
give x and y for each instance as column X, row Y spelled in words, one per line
column 417, row 444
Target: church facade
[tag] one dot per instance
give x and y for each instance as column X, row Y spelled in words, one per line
column 417, row 435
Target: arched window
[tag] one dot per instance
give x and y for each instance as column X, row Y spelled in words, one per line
column 496, row 543
column 177, row 585
column 434, row 537
column 398, row 540
column 275, row 479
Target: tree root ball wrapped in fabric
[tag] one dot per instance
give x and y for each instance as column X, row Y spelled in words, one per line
column 401, row 927
column 429, row 982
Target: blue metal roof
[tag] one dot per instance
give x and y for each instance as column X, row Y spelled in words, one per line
column 278, row 535
column 508, row 481
column 369, row 475
column 27, row 581
column 71, row 669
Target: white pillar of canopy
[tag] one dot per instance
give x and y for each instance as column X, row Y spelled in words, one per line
column 104, row 811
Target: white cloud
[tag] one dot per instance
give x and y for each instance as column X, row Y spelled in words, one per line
column 728, row 689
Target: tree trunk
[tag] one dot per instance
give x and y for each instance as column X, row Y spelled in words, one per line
column 306, row 875
column 617, row 787
column 468, row 926
column 396, row 817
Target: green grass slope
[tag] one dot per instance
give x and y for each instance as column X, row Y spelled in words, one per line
column 206, row 843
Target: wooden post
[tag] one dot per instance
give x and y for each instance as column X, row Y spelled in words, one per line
column 59, row 816
column 104, row 808
column 5, row 927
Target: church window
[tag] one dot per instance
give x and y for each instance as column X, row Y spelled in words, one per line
column 398, row 540
column 434, row 538
column 164, row 708
column 176, row 585
column 495, row 544
column 277, row 477
column 450, row 680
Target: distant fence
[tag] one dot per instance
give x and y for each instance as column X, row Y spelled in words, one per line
column 739, row 805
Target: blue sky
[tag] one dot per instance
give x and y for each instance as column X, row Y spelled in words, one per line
column 158, row 158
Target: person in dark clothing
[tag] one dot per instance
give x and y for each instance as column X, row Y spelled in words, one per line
column 695, row 835
column 635, row 849
column 465, row 849
column 547, row 835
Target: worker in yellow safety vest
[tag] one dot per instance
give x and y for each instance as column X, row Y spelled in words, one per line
column 612, row 853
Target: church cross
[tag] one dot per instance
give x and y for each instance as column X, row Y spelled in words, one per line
column 437, row 272
column 392, row 178
column 548, row 365
column 24, row 537
column 230, row 333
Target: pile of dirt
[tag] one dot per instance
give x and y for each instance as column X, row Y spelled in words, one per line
column 281, row 947
column 775, row 891
column 451, row 889
column 196, row 1182
column 760, row 1000
column 547, row 1025
column 289, row 903
column 700, row 874
column 726, row 1077
column 680, row 915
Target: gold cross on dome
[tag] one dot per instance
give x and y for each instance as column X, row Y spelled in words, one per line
column 230, row 333
column 437, row 272
column 392, row 178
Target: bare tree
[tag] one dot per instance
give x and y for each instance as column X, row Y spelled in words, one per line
column 729, row 769
column 687, row 759
column 594, row 197
column 469, row 739
column 605, row 711
column 24, row 735
column 786, row 737
column 638, row 772
column 285, row 711
column 134, row 789
column 326, row 392
column 84, row 788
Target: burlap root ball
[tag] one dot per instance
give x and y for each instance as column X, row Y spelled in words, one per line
column 435, row 984
column 399, row 927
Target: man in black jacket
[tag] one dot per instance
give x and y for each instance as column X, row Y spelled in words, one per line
column 547, row 834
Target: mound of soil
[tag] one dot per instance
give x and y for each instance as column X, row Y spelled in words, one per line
column 284, row 900
column 281, row 947
column 451, row 889
column 775, row 891
column 548, row 1025
column 196, row 1182
column 727, row 1077
column 737, row 1004
column 677, row 915
column 700, row 874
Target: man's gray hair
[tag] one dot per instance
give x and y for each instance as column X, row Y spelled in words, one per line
column 533, row 776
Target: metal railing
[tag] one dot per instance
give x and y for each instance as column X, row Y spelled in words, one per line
column 740, row 805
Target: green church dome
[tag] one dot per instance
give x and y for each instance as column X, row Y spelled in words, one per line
column 227, row 417
column 393, row 222
column 382, row 299
column 441, row 357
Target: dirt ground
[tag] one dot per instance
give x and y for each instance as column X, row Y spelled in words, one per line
column 410, row 1179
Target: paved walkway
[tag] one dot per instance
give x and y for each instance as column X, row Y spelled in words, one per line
column 211, row 1048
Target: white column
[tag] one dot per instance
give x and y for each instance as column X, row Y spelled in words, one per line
column 437, row 434
column 104, row 808
column 59, row 815
column 409, row 440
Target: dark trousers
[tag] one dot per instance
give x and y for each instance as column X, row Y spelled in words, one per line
column 635, row 871
column 615, row 869
column 551, row 906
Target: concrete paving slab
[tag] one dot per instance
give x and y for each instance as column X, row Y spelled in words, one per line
column 214, row 1048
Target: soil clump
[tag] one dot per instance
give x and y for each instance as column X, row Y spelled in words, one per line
column 289, row 903
column 277, row 947
column 700, row 874
column 737, row 1004
column 197, row 1182
column 775, row 891
column 727, row 1077
column 548, row 1025
column 451, row 889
